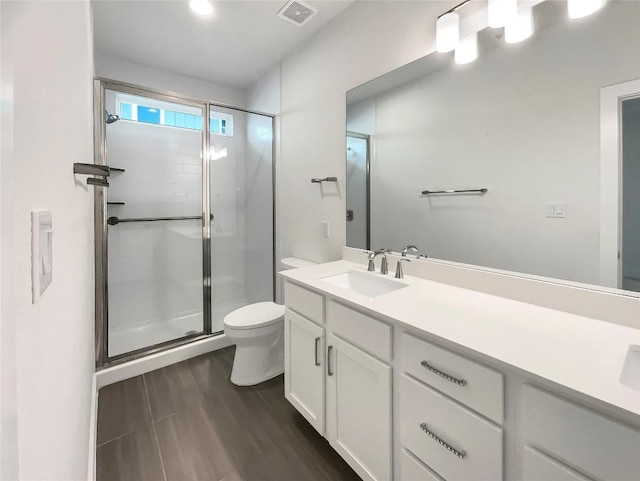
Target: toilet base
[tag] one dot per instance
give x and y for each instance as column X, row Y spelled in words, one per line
column 256, row 361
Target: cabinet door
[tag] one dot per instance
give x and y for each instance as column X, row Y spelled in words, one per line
column 304, row 380
column 359, row 409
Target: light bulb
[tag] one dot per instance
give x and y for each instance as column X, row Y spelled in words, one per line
column 447, row 32
column 501, row 11
column 520, row 27
column 201, row 7
column 582, row 8
column 467, row 49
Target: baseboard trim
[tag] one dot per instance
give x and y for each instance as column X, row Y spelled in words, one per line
column 159, row 360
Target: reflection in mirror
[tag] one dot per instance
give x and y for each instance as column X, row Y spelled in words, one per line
column 523, row 121
column 358, row 190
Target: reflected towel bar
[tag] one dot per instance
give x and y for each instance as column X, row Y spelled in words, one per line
column 456, row 191
column 326, row 179
column 116, row 220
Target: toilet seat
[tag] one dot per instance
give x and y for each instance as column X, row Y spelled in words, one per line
column 260, row 314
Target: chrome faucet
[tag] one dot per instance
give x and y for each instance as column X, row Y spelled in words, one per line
column 384, row 269
column 409, row 248
column 399, row 272
column 371, row 267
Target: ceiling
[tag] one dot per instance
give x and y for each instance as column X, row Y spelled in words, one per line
column 235, row 46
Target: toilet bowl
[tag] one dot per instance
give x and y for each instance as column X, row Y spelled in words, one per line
column 257, row 330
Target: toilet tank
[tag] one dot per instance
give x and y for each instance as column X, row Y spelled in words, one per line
column 286, row 264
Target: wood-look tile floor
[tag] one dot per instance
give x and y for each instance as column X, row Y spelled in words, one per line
column 188, row 422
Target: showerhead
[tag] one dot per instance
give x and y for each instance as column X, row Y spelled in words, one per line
column 110, row 118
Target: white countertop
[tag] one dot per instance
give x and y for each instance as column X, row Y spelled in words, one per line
column 581, row 353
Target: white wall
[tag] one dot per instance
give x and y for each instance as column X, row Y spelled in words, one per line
column 124, row 71
column 523, row 122
column 47, row 348
column 367, row 40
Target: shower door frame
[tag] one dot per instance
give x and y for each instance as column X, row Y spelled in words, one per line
column 103, row 359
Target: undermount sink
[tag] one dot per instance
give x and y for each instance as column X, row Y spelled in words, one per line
column 370, row 285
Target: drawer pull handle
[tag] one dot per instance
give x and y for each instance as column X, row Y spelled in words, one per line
column 315, row 359
column 428, row 367
column 329, row 371
column 461, row 454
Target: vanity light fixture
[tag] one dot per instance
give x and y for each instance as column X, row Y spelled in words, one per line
column 467, row 49
column 448, row 29
column 582, row 8
column 520, row 27
column 201, row 7
column 501, row 11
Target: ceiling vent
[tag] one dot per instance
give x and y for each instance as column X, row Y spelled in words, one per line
column 297, row 12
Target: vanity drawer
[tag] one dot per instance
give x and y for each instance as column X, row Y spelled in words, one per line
column 539, row 467
column 466, row 381
column 412, row 470
column 304, row 301
column 361, row 330
column 477, row 441
column 597, row 445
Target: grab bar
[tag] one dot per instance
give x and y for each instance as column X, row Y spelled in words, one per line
column 484, row 190
column 116, row 220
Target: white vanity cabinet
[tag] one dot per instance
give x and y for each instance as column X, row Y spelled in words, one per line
column 304, row 379
column 359, row 409
column 398, row 403
column 336, row 377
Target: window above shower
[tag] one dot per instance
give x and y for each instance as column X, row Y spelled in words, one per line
column 138, row 109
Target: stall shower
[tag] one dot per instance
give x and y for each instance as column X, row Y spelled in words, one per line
column 182, row 238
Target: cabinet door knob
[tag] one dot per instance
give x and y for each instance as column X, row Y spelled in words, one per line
column 329, row 371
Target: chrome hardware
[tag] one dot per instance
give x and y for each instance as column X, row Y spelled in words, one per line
column 410, row 248
column 101, row 171
column 326, row 179
column 371, row 267
column 329, row 371
column 459, row 382
column 399, row 272
column 461, row 454
column 384, row 269
column 97, row 181
column 91, row 169
column 116, row 220
column 315, row 359
column 482, row 191
column 349, row 215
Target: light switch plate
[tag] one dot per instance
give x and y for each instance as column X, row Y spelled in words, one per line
column 41, row 252
column 557, row 210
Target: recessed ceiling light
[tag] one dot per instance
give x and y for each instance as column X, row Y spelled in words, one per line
column 201, row 7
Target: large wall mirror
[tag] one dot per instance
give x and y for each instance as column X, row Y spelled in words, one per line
column 544, row 136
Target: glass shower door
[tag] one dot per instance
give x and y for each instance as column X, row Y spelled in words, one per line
column 154, row 220
column 241, row 183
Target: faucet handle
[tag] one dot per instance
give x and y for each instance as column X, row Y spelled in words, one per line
column 409, row 248
column 371, row 267
column 399, row 272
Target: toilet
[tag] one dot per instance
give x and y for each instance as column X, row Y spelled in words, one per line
column 257, row 330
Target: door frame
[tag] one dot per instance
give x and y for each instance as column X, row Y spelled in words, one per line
column 101, row 228
column 611, row 99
